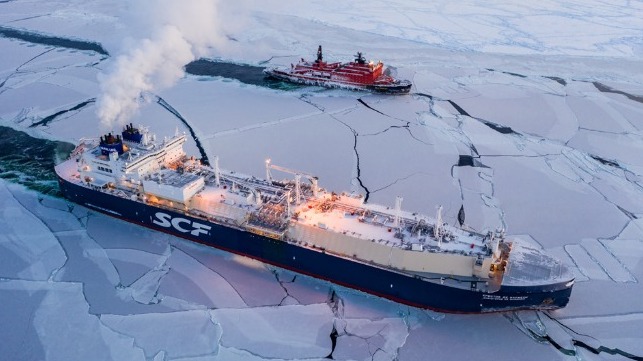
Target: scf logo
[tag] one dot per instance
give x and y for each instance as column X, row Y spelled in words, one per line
column 180, row 224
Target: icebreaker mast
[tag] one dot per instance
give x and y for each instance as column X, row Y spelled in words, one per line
column 320, row 55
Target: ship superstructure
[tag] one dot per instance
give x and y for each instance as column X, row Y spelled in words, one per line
column 295, row 224
column 356, row 75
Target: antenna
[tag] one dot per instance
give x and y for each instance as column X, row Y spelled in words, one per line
column 398, row 210
column 217, row 171
column 297, row 188
column 268, row 175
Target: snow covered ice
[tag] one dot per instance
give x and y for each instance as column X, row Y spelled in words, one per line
column 529, row 115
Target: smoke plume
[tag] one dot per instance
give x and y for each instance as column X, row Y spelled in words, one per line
column 169, row 34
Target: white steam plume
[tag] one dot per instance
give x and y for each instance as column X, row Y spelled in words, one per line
column 170, row 34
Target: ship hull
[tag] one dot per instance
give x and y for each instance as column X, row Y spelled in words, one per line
column 400, row 88
column 396, row 286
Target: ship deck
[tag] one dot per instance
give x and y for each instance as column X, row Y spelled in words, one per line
column 342, row 214
column 528, row 266
column 271, row 208
column 377, row 224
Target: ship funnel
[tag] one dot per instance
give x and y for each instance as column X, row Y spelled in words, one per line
column 109, row 144
column 131, row 134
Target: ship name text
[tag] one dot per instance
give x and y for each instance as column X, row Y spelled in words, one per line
column 503, row 298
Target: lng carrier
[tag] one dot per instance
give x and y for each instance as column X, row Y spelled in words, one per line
column 356, row 75
column 295, row 224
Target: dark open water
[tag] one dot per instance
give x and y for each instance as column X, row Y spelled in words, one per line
column 30, row 161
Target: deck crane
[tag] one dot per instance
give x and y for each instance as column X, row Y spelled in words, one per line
column 313, row 179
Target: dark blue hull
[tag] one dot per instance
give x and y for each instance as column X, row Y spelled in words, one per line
column 403, row 288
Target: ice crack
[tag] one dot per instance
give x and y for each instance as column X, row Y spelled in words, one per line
column 606, row 89
column 395, row 182
column 304, row 98
column 145, row 289
column 50, row 118
column 18, row 69
column 497, row 127
column 359, row 170
column 370, row 107
column 168, row 107
column 281, row 283
column 558, row 80
column 532, row 325
column 333, row 340
column 361, row 101
column 406, row 127
column 336, row 305
column 458, row 108
column 26, row 18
